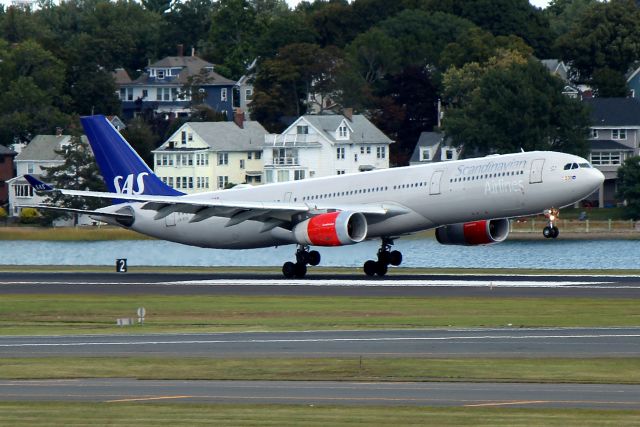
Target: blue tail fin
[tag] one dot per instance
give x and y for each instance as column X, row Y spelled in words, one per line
column 123, row 170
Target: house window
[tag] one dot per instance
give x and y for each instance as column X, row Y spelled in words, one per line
column 448, row 154
column 184, row 137
column 23, row 190
column 145, row 93
column 248, row 94
column 222, row 181
column 298, row 174
column 223, row 94
column 269, row 175
column 190, row 182
column 170, row 181
column 283, row 175
column 159, row 94
column 160, row 74
column 619, row 134
column 184, row 182
column 158, row 161
column 342, row 131
column 190, row 160
column 368, row 149
column 258, row 155
column 167, row 94
column 381, row 152
column 241, row 163
column 594, row 133
column 249, row 155
column 425, row 154
column 302, row 130
column 607, row 158
column 223, row 158
column 340, row 153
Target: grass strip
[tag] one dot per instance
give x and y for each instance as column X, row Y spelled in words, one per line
column 88, row 234
column 163, row 414
column 538, row 370
column 78, row 314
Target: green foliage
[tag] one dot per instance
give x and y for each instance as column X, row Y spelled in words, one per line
column 78, row 172
column 3, row 214
column 509, row 104
column 629, row 186
column 141, row 137
column 606, row 36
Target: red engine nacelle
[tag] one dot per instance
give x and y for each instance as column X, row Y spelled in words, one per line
column 332, row 229
column 474, row 233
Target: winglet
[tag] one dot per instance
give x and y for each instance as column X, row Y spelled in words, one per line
column 37, row 184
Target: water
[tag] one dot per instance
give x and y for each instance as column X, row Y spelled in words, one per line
column 558, row 254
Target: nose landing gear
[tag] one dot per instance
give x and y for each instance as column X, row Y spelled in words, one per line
column 304, row 257
column 386, row 257
column 551, row 231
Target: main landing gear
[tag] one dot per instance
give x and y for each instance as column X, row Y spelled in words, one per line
column 551, row 231
column 304, row 257
column 386, row 257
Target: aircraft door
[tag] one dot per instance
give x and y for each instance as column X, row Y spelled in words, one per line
column 434, row 185
column 170, row 220
column 535, row 175
column 287, row 197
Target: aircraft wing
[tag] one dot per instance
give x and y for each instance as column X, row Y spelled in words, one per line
column 273, row 214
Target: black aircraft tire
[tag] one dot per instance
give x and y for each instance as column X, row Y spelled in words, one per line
column 288, row 269
column 300, row 270
column 370, row 268
column 555, row 232
column 546, row 232
column 313, row 258
column 381, row 269
column 395, row 258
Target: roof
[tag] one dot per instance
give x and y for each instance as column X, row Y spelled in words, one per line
column 228, row 136
column 43, row 148
column 427, row 139
column 6, row 151
column 121, row 76
column 190, row 66
column 609, row 112
column 607, row 144
column 363, row 131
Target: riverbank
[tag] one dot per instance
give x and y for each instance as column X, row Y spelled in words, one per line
column 521, row 230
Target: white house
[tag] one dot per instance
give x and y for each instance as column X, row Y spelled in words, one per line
column 433, row 147
column 205, row 156
column 324, row 145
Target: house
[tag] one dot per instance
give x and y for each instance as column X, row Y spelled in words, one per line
column 7, row 170
column 205, row 156
column 244, row 89
column 433, row 147
column 33, row 159
column 557, row 68
column 633, row 82
column 615, row 136
column 324, row 145
column 173, row 85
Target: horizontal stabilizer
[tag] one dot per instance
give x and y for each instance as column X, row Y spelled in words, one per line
column 37, row 184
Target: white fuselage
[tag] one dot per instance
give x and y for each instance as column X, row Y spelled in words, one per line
column 427, row 196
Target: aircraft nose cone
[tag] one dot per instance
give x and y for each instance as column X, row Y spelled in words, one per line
column 598, row 177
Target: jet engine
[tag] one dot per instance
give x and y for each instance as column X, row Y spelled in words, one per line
column 332, row 229
column 483, row 232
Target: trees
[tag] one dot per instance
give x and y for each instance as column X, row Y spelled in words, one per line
column 509, row 104
column 629, row 186
column 606, row 36
column 78, row 172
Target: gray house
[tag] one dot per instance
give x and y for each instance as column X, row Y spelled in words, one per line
column 615, row 136
column 173, row 85
column 433, row 147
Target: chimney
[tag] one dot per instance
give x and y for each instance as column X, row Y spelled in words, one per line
column 238, row 117
column 58, row 131
column 348, row 113
column 181, row 50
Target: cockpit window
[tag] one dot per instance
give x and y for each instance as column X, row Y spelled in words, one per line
column 574, row 166
column 585, row 165
column 567, row 166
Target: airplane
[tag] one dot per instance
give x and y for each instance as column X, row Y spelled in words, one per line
column 468, row 202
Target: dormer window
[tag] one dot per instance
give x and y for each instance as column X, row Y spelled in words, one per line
column 425, row 154
column 343, row 133
column 160, row 74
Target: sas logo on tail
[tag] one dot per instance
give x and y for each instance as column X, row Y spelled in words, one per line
column 128, row 186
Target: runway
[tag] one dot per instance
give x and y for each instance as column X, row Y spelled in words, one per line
column 408, row 285
column 507, row 342
column 521, row 395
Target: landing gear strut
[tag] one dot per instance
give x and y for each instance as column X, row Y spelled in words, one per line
column 386, row 257
column 551, row 231
column 304, row 257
